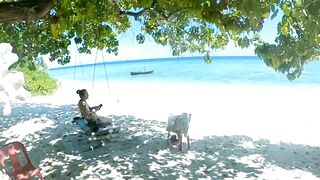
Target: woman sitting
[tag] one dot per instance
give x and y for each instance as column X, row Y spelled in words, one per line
column 89, row 113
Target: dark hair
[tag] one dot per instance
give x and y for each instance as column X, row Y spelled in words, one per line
column 81, row 92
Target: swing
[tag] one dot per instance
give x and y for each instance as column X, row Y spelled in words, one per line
column 89, row 127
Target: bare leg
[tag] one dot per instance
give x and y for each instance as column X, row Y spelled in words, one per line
column 105, row 121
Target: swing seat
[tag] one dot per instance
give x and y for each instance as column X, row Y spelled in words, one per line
column 87, row 126
column 90, row 127
column 22, row 169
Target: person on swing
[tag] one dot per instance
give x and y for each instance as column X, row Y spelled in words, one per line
column 89, row 113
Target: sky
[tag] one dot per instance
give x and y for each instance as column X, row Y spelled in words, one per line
column 129, row 49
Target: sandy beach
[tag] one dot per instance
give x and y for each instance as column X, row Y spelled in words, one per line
column 236, row 131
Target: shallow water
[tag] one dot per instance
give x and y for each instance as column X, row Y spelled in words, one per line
column 223, row 70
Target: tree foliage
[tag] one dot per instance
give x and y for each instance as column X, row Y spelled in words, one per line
column 197, row 26
column 38, row 82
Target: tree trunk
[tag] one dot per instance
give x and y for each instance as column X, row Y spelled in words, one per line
column 26, row 10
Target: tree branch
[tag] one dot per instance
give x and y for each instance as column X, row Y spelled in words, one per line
column 26, row 10
column 129, row 13
column 134, row 14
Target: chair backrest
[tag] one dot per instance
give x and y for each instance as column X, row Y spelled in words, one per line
column 189, row 117
column 179, row 123
column 13, row 150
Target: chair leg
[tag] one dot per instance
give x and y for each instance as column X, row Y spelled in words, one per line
column 168, row 138
column 37, row 173
column 188, row 142
column 180, row 141
column 40, row 176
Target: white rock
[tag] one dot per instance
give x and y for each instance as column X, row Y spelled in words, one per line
column 11, row 83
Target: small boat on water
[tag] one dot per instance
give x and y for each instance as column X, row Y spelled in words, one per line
column 141, row 72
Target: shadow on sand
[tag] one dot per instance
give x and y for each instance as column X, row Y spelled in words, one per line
column 140, row 150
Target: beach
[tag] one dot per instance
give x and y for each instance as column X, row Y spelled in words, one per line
column 237, row 132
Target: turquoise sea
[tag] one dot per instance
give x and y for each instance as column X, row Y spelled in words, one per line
column 223, row 70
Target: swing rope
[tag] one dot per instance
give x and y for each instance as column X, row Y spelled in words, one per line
column 105, row 72
column 104, row 66
column 75, row 63
column 74, row 70
column 95, row 64
column 94, row 69
column 78, row 58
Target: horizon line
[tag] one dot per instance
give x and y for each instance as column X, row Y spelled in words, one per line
column 146, row 59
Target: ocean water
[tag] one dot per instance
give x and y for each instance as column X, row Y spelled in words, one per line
column 223, row 70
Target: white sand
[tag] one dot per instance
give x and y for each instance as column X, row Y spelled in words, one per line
column 237, row 131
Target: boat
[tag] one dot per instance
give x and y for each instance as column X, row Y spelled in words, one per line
column 141, row 72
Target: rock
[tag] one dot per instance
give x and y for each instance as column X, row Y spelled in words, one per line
column 11, row 83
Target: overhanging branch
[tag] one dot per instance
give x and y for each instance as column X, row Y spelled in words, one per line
column 26, row 10
column 134, row 14
column 129, row 13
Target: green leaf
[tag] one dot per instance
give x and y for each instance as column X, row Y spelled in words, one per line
column 207, row 58
column 197, row 26
column 274, row 14
column 244, row 42
column 54, row 30
column 140, row 38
